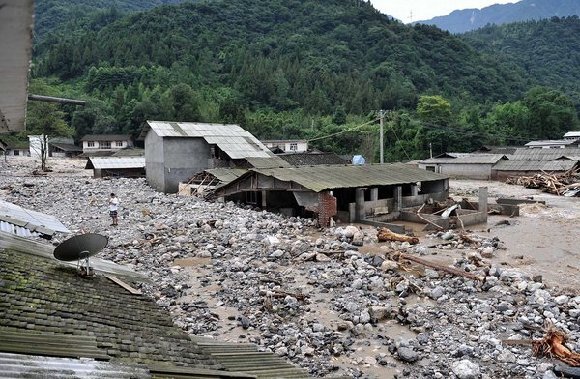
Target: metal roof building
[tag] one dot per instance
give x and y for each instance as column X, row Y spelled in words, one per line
column 505, row 169
column 176, row 151
column 116, row 166
column 345, row 191
column 472, row 166
column 25, row 223
column 572, row 153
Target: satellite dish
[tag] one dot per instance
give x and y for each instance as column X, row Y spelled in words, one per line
column 80, row 248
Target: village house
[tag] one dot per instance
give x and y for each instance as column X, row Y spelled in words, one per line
column 471, row 166
column 176, row 151
column 572, row 135
column 509, row 168
column 344, row 192
column 554, row 144
column 286, row 146
column 105, row 144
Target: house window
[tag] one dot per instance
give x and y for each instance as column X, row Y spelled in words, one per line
column 104, row 144
column 91, row 144
column 430, row 168
column 16, row 152
column 119, row 143
column 293, row 146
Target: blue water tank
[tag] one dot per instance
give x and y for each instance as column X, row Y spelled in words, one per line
column 358, row 160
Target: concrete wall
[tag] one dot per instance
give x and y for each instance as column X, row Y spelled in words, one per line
column 183, row 158
column 154, row 161
column 464, row 170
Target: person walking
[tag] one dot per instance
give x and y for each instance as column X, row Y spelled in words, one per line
column 114, row 208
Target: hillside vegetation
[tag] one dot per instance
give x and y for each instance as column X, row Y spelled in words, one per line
column 289, row 69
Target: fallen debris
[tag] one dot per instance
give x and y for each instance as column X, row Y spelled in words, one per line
column 396, row 256
column 552, row 345
column 557, row 184
column 386, row 234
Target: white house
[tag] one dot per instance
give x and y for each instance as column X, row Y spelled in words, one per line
column 287, row 146
column 553, row 144
column 99, row 143
column 572, row 135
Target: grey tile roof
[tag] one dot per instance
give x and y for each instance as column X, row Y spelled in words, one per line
column 110, row 163
column 469, row 159
column 236, row 142
column 554, row 142
column 307, row 159
column 271, row 162
column 319, row 178
column 38, row 295
column 545, row 154
column 66, row 146
column 26, row 222
column 106, row 137
column 559, row 165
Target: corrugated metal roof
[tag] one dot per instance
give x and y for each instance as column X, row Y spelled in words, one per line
column 30, row 366
column 545, row 154
column 572, row 134
column 110, row 163
column 236, row 142
column 561, row 165
column 469, row 159
column 319, row 178
column 226, row 175
column 307, row 159
column 31, row 221
column 16, row 21
column 66, row 146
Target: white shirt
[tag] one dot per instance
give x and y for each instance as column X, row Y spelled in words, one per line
column 113, row 204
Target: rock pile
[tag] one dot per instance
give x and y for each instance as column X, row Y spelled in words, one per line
column 312, row 295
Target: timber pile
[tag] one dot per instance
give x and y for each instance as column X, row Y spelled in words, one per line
column 555, row 184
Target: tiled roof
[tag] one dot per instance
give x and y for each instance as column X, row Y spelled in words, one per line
column 66, row 146
column 469, row 159
column 307, row 159
column 106, row 137
column 560, row 165
column 545, row 154
column 226, row 175
column 40, row 296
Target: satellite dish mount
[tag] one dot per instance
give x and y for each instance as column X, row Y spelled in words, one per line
column 81, row 248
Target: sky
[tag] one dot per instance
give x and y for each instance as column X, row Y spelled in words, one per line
column 427, row 9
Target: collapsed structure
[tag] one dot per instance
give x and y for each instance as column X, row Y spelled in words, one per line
column 345, row 192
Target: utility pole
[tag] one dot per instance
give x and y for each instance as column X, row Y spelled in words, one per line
column 382, row 120
column 430, row 150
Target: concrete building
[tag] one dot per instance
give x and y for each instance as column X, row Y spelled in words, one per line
column 176, row 151
column 287, row 146
column 105, row 144
column 475, row 166
column 554, row 144
column 346, row 192
column 572, row 135
column 16, row 24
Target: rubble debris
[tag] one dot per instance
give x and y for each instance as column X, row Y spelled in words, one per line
column 386, row 234
column 556, row 184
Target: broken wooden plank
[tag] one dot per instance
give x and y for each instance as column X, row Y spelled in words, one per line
column 126, row 286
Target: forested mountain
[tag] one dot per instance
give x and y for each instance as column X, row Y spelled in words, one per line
column 53, row 15
column 470, row 19
column 294, row 69
column 547, row 49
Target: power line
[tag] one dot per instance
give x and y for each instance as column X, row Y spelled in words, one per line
column 343, row 131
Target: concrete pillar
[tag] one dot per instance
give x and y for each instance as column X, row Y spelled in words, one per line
column 398, row 195
column 482, row 200
column 264, row 202
column 360, row 203
column 414, row 190
column 374, row 194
